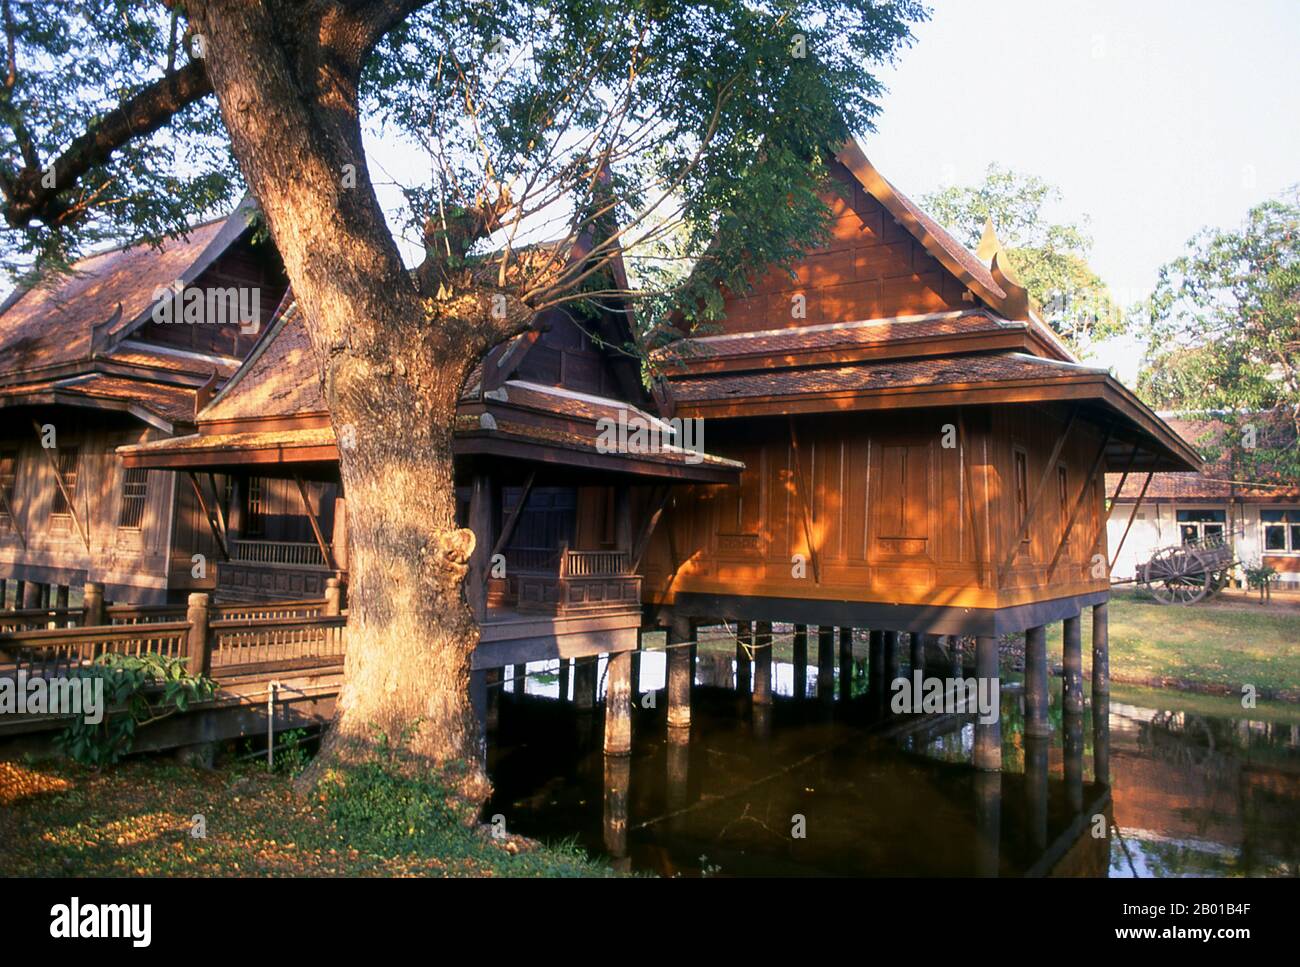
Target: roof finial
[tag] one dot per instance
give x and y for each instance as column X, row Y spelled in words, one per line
column 1016, row 305
column 989, row 243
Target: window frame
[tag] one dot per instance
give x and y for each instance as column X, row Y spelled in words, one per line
column 1290, row 527
column 129, row 500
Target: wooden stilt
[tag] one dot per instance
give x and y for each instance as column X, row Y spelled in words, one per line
column 618, row 704
column 846, row 664
column 826, row 663
column 61, row 604
column 518, row 678
column 1037, row 748
column 800, row 649
column 680, row 632
column 1101, row 737
column 988, row 822
column 584, row 683
column 31, row 595
column 564, row 679
column 744, row 644
column 876, row 685
column 1100, row 650
column 1036, row 700
column 493, row 686
column 892, row 668
column 618, row 777
column 92, row 604
column 956, row 666
column 1072, row 658
column 988, row 735
column 763, row 663
column 918, row 652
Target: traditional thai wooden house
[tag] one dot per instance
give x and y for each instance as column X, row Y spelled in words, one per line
column 921, row 453
column 91, row 363
column 562, row 514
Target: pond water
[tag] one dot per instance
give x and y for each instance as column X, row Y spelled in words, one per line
column 831, row 783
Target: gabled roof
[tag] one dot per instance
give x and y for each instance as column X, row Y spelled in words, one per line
column 273, row 413
column 70, row 342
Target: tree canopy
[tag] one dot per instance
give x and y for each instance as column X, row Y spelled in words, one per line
column 1223, row 335
column 1050, row 258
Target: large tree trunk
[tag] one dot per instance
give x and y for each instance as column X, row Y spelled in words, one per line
column 392, row 364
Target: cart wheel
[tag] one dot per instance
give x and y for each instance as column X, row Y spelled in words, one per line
column 1177, row 575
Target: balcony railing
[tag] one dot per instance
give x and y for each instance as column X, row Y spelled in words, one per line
column 279, row 553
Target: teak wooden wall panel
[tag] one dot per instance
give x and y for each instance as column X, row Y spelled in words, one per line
column 895, row 515
column 869, row 267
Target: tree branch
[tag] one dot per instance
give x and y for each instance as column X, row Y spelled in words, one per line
column 139, row 116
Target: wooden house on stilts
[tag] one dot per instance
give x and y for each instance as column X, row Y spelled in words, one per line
column 921, row 455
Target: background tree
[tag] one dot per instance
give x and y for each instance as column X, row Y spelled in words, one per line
column 609, row 121
column 1223, row 337
column 1050, row 258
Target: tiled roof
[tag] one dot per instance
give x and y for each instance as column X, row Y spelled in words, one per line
column 261, row 440
column 833, row 336
column 131, row 353
column 1217, row 481
column 887, row 374
column 280, row 379
column 964, row 256
column 170, row 402
column 46, row 326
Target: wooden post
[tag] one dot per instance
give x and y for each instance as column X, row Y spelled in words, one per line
column 1037, row 749
column 1101, row 737
column 492, row 682
column 826, row 663
column 956, row 667
column 1072, row 685
column 92, row 603
column 480, row 522
column 618, row 776
column 800, row 661
column 763, row 663
column 1036, row 701
column 744, row 644
column 618, row 704
column 1072, row 759
column 339, row 534
column 31, row 595
column 918, row 653
column 988, row 823
column 45, row 596
column 679, row 673
column 333, row 596
column 846, row 664
column 891, row 658
column 564, row 679
column 519, row 675
column 1100, row 650
column 197, row 641
column 876, row 671
column 61, row 605
column 584, row 683
column 3, row 589
column 988, row 735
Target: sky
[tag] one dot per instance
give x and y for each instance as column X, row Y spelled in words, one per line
column 1154, row 118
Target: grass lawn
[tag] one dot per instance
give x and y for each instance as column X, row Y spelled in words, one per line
column 1217, row 644
column 135, row 819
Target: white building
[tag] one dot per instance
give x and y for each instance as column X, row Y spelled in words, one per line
column 1261, row 522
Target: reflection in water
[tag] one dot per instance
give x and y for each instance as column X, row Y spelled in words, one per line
column 798, row 786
